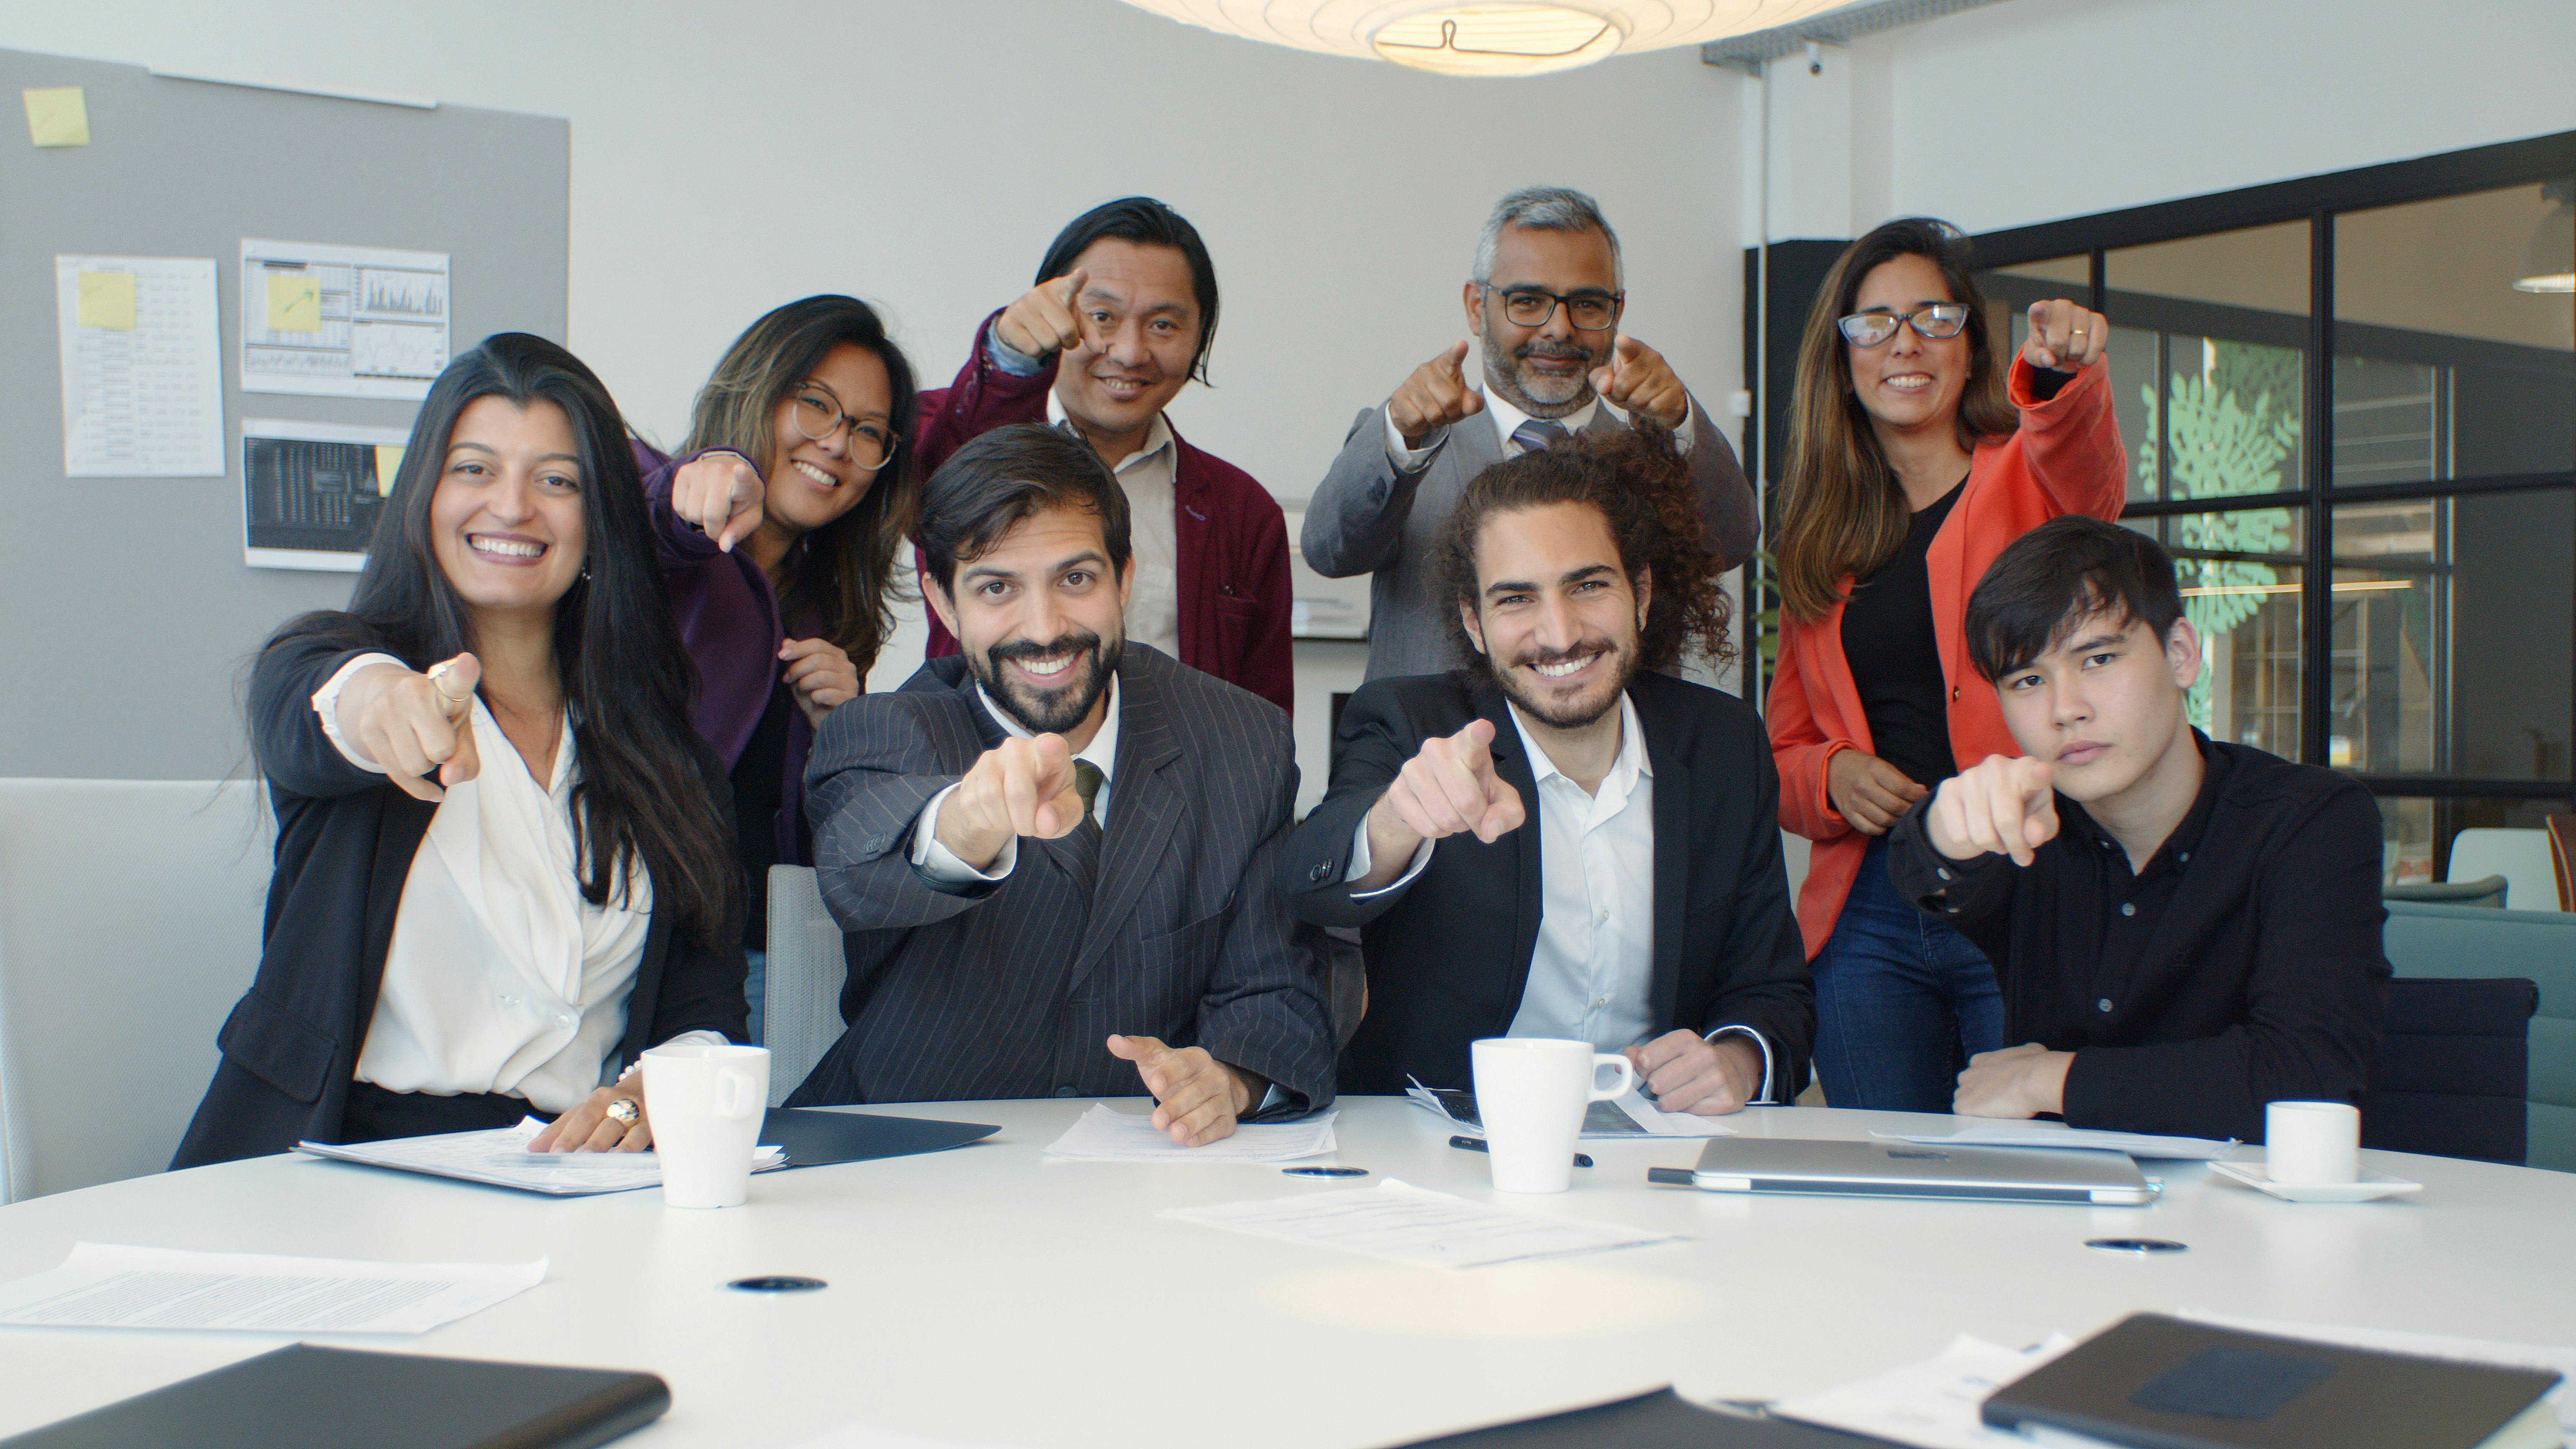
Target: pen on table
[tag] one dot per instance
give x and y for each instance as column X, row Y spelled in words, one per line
column 1477, row 1144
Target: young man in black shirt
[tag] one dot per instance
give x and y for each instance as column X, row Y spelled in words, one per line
column 2185, row 929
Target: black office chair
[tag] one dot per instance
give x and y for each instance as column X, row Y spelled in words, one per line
column 2454, row 1070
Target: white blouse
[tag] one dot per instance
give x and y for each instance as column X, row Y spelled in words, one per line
column 501, row 977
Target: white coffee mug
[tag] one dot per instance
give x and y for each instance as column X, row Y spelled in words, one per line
column 2312, row 1142
column 1531, row 1094
column 707, row 1103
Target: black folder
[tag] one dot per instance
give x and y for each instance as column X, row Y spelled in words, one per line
column 304, row 1397
column 2168, row 1383
column 814, row 1137
column 1660, row 1420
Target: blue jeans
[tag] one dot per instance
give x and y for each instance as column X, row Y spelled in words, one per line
column 1902, row 1001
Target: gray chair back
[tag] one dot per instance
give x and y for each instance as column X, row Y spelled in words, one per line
column 801, row 996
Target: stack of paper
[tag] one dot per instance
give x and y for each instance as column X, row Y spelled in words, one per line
column 1101, row 1135
column 1398, row 1220
column 103, row 1285
column 1935, row 1404
column 499, row 1157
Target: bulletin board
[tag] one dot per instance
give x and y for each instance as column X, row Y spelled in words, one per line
column 130, row 602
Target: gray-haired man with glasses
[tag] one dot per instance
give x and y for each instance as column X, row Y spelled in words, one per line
column 1544, row 302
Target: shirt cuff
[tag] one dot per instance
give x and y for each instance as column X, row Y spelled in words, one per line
column 1360, row 863
column 326, row 703
column 702, row 1035
column 1008, row 358
column 1409, row 460
column 1769, row 1072
column 1683, row 435
column 941, row 864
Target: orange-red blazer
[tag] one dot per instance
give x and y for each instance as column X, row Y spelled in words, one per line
column 2064, row 458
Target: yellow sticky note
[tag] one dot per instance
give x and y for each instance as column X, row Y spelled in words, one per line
column 294, row 302
column 388, row 463
column 57, row 115
column 107, row 300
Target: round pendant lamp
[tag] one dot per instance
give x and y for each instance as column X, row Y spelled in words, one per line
column 2549, row 262
column 1485, row 37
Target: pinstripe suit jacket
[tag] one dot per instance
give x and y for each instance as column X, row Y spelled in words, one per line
column 1011, row 991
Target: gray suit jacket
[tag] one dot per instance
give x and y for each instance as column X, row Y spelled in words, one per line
column 1170, row 926
column 1368, row 519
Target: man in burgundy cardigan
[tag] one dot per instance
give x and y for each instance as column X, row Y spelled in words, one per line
column 1120, row 319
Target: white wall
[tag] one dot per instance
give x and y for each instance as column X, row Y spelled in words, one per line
column 2036, row 110
column 726, row 158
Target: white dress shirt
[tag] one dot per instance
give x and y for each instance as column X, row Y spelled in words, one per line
column 1592, row 969
column 501, row 977
column 1506, row 420
column 942, row 865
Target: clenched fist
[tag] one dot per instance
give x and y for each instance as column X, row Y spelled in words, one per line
column 1019, row 787
column 1435, row 396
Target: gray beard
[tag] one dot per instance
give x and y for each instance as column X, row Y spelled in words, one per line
column 1502, row 379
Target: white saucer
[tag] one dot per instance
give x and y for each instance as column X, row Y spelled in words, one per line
column 2372, row 1184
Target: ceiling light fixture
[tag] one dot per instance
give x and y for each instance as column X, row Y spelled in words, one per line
column 2549, row 263
column 1485, row 37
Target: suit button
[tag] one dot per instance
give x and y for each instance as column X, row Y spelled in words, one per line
column 1320, row 870
column 1067, row 1091
column 2102, row 1005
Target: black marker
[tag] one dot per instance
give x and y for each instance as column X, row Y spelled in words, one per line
column 1477, row 1144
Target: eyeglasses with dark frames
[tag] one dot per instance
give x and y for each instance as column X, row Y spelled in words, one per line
column 1934, row 323
column 1588, row 311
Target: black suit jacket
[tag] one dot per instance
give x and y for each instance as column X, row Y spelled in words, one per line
column 1449, row 955
column 1011, row 990
column 345, row 842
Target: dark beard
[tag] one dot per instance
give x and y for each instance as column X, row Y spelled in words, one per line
column 1054, row 711
column 1623, row 661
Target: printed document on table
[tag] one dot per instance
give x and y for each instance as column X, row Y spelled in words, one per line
column 1935, row 1404
column 1627, row 1115
column 2136, row 1144
column 342, row 321
column 106, row 1285
column 1415, row 1225
column 2550, row 1358
column 142, row 367
column 1103, row 1135
column 499, row 1157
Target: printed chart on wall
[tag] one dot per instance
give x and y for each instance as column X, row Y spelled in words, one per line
column 342, row 321
column 311, row 492
column 142, row 362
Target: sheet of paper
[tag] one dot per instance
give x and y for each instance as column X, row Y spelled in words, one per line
column 56, row 115
column 2553, row 1358
column 868, row 1436
column 104, row 1285
column 1628, row 1115
column 311, row 492
column 499, row 1157
column 1415, row 1225
column 2040, row 1134
column 342, row 321
column 1933, row 1404
column 142, row 367
column 1104, row 1135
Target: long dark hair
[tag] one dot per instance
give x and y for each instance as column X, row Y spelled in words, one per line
column 1145, row 222
column 846, row 576
column 1842, row 510
column 626, row 680
column 1640, row 484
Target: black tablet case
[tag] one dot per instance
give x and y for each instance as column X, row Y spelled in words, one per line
column 2167, row 1383
column 306, row 1397
column 814, row 1137
column 1660, row 1420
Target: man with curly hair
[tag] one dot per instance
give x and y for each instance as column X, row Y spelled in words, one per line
column 1563, row 839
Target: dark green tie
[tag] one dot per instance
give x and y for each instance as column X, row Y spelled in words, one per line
column 1087, row 781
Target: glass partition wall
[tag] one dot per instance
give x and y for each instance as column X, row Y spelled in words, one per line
column 2350, row 409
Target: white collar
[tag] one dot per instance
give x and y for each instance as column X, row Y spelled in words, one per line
column 1157, row 438
column 1102, row 752
column 1507, row 418
column 1624, row 770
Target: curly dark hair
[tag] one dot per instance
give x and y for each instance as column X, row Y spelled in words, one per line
column 1642, row 485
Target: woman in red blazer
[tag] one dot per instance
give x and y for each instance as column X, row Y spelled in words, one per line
column 1914, row 461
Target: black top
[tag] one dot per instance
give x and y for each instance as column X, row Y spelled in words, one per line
column 1449, row 955
column 1895, row 659
column 759, row 792
column 2242, row 966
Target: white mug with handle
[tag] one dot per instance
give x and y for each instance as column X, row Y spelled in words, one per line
column 1531, row 1094
column 707, row 1104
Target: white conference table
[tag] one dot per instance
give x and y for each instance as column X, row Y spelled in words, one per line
column 988, row 1296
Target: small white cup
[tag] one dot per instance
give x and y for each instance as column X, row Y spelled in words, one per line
column 1531, row 1093
column 707, row 1103
column 2307, row 1143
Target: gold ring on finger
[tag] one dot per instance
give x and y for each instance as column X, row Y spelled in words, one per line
column 622, row 1110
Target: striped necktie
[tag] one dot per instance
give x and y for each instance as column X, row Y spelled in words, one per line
column 1536, row 434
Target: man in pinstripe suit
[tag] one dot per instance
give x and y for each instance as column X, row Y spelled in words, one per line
column 1054, row 852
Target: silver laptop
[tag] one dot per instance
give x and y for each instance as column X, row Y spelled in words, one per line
column 1909, row 1169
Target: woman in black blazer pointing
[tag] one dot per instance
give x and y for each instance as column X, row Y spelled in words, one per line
column 504, row 864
